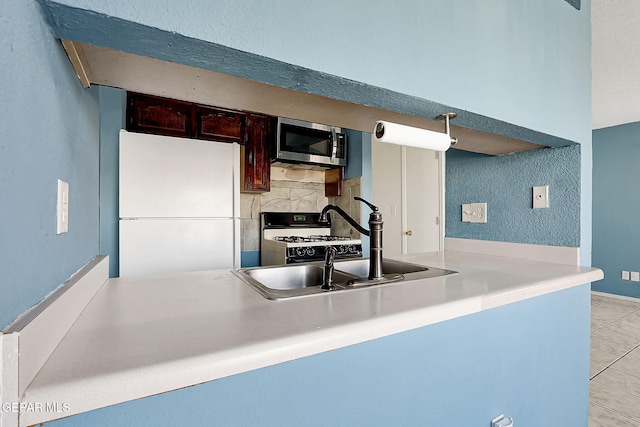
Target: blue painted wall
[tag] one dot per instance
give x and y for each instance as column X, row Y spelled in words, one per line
column 616, row 238
column 462, row 372
column 501, row 55
column 355, row 166
column 359, row 165
column 511, row 61
column 112, row 119
column 48, row 131
column 505, row 184
column 249, row 259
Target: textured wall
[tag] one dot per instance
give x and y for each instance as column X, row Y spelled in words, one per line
column 48, row 131
column 460, row 373
column 616, row 174
column 378, row 67
column 518, row 62
column 508, row 64
column 112, row 119
column 505, row 184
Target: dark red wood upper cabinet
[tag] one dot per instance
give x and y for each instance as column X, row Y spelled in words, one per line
column 220, row 125
column 256, row 173
column 151, row 114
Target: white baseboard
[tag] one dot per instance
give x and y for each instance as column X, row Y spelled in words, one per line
column 543, row 253
column 40, row 330
column 616, row 296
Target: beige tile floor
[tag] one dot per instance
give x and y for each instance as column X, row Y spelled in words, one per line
column 614, row 395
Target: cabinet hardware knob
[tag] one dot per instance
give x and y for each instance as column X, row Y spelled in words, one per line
column 409, row 233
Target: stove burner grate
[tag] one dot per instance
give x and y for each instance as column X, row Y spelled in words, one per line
column 329, row 238
column 310, row 239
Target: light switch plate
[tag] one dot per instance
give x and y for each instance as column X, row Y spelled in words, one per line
column 62, row 208
column 625, row 275
column 635, row 276
column 466, row 212
column 541, row 197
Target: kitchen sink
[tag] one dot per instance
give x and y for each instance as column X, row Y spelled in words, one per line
column 297, row 280
column 360, row 267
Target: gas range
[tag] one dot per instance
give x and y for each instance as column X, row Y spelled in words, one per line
column 289, row 238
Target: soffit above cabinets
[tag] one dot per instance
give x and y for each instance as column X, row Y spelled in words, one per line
column 108, row 67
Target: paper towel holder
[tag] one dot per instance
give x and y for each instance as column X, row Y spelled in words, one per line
column 380, row 130
column 447, row 128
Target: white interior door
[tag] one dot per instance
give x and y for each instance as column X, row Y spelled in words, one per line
column 408, row 186
column 421, row 205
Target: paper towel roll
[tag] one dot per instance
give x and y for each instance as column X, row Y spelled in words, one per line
column 394, row 133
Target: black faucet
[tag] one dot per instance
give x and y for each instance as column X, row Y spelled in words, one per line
column 327, row 272
column 374, row 233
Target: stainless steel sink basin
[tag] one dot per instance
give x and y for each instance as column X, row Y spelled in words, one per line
column 289, row 281
column 360, row 267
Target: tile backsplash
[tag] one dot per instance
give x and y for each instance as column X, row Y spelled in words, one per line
column 350, row 189
column 295, row 190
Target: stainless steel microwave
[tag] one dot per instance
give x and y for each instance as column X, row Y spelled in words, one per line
column 310, row 145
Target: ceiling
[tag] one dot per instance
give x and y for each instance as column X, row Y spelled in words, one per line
column 615, row 62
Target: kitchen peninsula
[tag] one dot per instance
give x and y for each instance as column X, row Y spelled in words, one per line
column 447, row 336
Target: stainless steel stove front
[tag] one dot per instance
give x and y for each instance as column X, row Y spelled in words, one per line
column 289, row 238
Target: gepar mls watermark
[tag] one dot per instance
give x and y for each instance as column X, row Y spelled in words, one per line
column 22, row 407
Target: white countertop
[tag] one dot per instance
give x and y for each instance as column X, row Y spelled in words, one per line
column 143, row 336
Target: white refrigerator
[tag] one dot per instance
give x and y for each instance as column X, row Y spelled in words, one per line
column 179, row 204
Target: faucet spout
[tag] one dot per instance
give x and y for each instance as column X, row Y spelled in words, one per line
column 374, row 232
column 343, row 214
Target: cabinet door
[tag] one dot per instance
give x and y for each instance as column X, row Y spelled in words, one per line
column 256, row 171
column 160, row 116
column 220, row 125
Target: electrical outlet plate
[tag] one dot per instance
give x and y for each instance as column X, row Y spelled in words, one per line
column 625, row 275
column 635, row 276
column 541, row 197
column 479, row 212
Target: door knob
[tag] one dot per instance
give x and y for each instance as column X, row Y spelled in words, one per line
column 409, row 233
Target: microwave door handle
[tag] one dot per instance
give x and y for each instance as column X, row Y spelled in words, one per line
column 334, row 144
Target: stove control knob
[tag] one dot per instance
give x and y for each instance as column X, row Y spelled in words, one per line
column 311, row 251
column 343, row 249
column 300, row 251
column 352, row 249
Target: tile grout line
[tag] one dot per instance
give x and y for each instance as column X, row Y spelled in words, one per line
column 613, row 301
column 615, row 320
column 633, row 420
column 609, row 365
column 614, row 387
column 625, row 315
column 628, row 374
